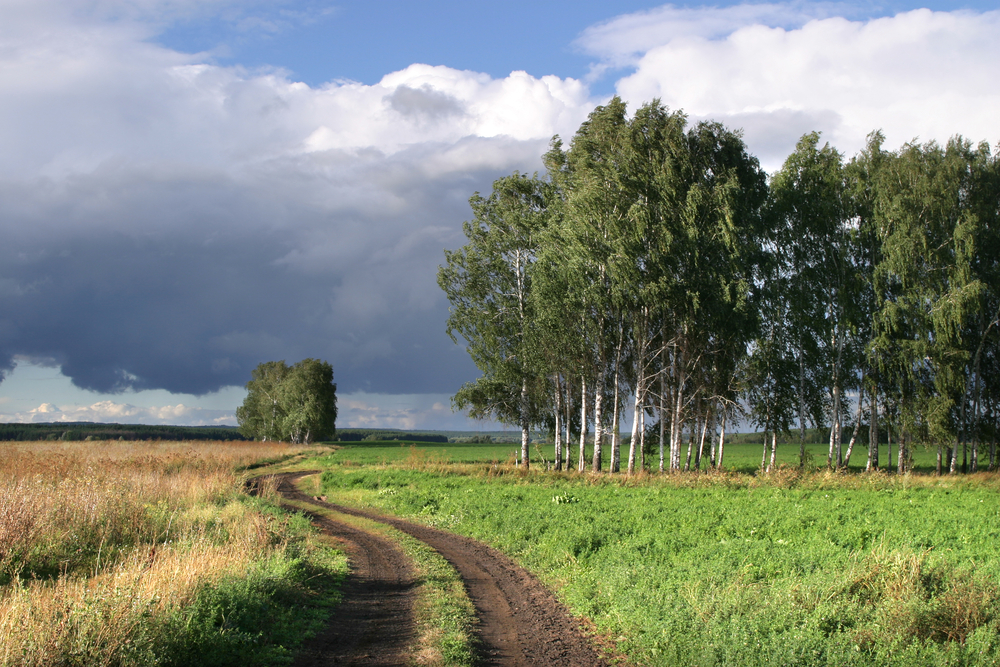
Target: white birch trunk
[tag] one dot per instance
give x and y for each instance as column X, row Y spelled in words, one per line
column 722, row 441
column 857, row 427
column 663, row 413
column 772, row 465
column 557, row 453
column 692, row 434
column 634, row 439
column 872, row 463
column 582, row 463
column 598, row 421
column 701, row 443
column 525, row 438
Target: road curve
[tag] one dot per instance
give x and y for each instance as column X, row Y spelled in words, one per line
column 521, row 624
column 373, row 625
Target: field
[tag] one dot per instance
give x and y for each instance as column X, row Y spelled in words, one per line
column 743, row 458
column 153, row 554
column 116, row 553
column 722, row 569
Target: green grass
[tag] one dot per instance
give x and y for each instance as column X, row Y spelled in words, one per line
column 732, row 570
column 257, row 618
column 738, row 457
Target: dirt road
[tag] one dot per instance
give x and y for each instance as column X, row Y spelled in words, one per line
column 521, row 623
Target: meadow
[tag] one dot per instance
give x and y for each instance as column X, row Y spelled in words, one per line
column 735, row 568
column 742, row 458
column 123, row 553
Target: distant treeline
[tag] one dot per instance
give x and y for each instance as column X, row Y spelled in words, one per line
column 359, row 434
column 85, row 430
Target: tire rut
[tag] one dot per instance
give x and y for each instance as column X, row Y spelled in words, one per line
column 373, row 625
column 521, row 623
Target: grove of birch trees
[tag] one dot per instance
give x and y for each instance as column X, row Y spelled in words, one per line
column 655, row 268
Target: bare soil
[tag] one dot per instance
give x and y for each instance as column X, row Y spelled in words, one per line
column 373, row 625
column 521, row 623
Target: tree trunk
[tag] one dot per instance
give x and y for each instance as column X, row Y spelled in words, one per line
column 722, row 440
column 598, row 421
column 634, row 438
column 692, row 433
column 568, row 447
column 701, row 443
column 857, row 427
column 616, row 444
column 835, row 435
column 715, row 420
column 525, row 438
column 582, row 463
column 663, row 413
column 763, row 456
column 888, row 437
column 802, row 406
column 675, row 422
column 615, row 435
column 829, row 455
column 902, row 453
column 872, row 431
column 772, row 465
column 642, row 437
column 557, row 445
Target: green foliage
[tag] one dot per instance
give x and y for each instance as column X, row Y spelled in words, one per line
column 290, row 403
column 253, row 619
column 657, row 265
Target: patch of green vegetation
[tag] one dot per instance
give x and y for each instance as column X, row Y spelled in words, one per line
column 739, row 457
column 815, row 569
column 258, row 618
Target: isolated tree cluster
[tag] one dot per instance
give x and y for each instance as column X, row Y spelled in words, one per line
column 656, row 267
column 285, row 403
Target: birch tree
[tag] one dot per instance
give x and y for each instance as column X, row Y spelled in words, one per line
column 488, row 284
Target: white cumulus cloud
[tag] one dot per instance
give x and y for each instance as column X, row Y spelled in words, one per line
column 123, row 413
column 916, row 75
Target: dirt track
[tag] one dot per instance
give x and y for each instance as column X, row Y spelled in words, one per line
column 520, row 622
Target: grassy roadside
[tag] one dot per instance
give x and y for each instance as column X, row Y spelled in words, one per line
column 152, row 554
column 813, row 569
column 444, row 615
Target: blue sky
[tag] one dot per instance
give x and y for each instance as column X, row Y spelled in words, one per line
column 319, row 41
column 191, row 187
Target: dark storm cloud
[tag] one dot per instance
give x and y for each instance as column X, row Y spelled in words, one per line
column 170, row 224
column 150, row 278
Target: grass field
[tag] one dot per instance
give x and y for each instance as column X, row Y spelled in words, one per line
column 733, row 569
column 152, row 554
column 738, row 457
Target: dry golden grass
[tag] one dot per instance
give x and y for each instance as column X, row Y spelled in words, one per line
column 100, row 540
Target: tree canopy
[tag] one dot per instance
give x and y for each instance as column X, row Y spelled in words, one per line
column 656, row 265
column 295, row 403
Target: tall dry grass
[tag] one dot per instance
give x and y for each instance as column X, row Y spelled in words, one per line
column 101, row 543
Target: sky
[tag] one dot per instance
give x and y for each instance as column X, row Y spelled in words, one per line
column 191, row 187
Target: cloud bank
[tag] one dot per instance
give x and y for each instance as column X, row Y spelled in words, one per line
column 781, row 70
column 122, row 413
column 169, row 223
